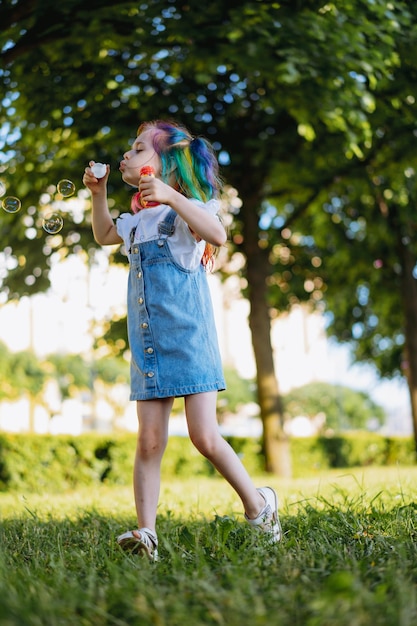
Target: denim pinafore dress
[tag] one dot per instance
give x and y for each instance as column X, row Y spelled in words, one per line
column 171, row 328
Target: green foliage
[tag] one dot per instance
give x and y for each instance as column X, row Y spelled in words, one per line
column 49, row 462
column 296, row 96
column 71, row 372
column 20, row 373
column 239, row 391
column 314, row 454
column 343, row 408
column 112, row 370
column 37, row 463
column 24, row 373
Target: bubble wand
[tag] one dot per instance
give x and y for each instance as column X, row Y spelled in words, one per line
column 138, row 202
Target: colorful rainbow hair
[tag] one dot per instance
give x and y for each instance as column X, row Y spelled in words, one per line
column 189, row 161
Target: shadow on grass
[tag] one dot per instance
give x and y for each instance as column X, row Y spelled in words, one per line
column 351, row 563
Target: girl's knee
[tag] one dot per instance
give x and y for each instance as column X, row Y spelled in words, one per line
column 207, row 445
column 151, row 445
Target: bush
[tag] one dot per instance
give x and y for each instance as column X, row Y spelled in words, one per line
column 359, row 449
column 53, row 463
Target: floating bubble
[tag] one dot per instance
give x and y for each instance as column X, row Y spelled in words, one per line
column 2, row 189
column 66, row 188
column 11, row 204
column 53, row 223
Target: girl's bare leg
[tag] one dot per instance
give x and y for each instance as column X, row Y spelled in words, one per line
column 153, row 418
column 203, row 429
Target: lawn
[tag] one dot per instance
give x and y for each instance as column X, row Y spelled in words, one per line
column 349, row 556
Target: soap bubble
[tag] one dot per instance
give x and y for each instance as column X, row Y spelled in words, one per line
column 99, row 170
column 52, row 223
column 11, row 204
column 66, row 188
column 2, row 188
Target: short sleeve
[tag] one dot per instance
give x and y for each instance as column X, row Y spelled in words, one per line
column 124, row 224
column 212, row 206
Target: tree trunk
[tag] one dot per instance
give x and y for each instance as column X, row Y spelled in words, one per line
column 276, row 443
column 409, row 298
column 32, row 406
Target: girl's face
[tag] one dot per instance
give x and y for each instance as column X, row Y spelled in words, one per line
column 141, row 153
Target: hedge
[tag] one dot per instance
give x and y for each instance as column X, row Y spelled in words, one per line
column 51, row 463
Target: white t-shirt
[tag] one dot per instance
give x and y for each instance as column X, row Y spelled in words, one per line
column 186, row 251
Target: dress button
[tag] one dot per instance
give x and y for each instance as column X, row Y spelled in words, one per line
column 140, row 300
column 149, row 350
column 144, row 325
column 151, row 374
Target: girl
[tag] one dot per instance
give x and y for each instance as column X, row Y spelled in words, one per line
column 170, row 237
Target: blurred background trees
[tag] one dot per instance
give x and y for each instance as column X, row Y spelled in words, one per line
column 333, row 408
column 311, row 108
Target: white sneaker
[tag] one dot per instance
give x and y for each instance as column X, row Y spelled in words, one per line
column 268, row 520
column 142, row 541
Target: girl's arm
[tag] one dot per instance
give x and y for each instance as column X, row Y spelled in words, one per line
column 201, row 223
column 104, row 229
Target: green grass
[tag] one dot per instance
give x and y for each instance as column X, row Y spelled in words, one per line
column 349, row 556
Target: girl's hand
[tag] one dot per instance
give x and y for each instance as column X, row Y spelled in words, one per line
column 153, row 189
column 95, row 185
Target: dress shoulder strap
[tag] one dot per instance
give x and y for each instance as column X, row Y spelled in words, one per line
column 166, row 228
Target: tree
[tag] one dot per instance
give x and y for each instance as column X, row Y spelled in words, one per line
column 344, row 408
column 284, row 90
column 71, row 373
column 238, row 392
column 362, row 233
column 24, row 374
column 21, row 374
